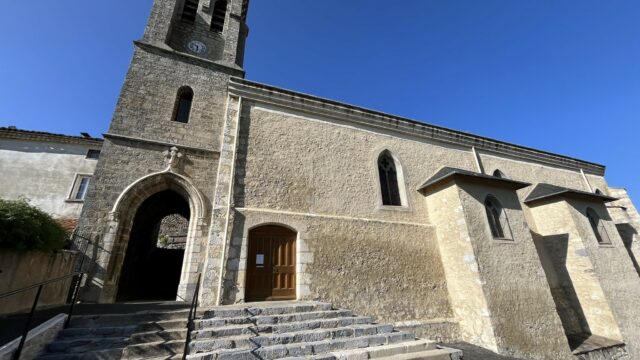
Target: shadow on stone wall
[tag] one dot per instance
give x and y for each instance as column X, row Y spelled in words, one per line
column 553, row 251
column 628, row 233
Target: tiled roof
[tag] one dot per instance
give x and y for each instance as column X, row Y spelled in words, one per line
column 20, row 134
column 547, row 191
column 448, row 173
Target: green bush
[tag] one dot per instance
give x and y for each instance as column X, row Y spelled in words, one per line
column 24, row 227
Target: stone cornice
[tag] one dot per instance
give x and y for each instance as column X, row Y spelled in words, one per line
column 159, row 143
column 232, row 70
column 374, row 119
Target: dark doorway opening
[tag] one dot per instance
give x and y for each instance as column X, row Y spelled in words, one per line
column 153, row 265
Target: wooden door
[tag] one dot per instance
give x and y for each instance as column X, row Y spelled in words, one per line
column 271, row 266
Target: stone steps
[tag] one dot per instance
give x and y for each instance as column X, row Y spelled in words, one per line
column 291, row 330
column 437, row 354
column 158, row 349
column 420, row 349
column 270, row 330
column 87, row 344
column 111, row 354
column 315, row 324
column 277, row 309
column 327, row 346
column 138, row 335
column 299, row 317
column 321, row 334
column 119, row 320
column 223, row 343
column 222, row 331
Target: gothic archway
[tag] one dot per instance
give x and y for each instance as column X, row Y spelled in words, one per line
column 132, row 215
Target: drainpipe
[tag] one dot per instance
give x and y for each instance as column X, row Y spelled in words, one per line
column 476, row 157
column 586, row 181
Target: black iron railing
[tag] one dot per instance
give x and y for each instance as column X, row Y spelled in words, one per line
column 75, row 285
column 192, row 314
column 80, row 244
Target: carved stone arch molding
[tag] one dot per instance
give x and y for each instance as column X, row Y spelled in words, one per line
column 121, row 220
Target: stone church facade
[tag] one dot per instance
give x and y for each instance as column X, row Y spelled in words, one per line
column 290, row 196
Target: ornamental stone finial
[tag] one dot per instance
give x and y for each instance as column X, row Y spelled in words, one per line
column 172, row 158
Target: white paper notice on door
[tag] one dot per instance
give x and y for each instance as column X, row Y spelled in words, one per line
column 259, row 259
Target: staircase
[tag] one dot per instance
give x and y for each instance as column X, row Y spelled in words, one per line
column 137, row 335
column 269, row 330
column 302, row 330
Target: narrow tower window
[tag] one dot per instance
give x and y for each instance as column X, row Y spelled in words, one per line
column 388, row 180
column 597, row 225
column 497, row 217
column 190, row 10
column 183, row 105
column 219, row 14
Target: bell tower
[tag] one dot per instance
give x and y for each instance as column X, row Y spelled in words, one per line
column 214, row 30
column 173, row 101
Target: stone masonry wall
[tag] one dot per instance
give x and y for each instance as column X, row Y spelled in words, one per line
column 512, row 277
column 616, row 273
column 554, row 220
column 146, row 105
column 123, row 163
column 464, row 284
column 358, row 264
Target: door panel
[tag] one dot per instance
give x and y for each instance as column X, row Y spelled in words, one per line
column 271, row 266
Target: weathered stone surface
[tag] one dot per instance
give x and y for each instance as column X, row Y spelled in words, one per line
column 310, row 341
column 255, row 155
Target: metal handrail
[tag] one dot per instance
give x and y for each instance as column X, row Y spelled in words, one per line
column 13, row 292
column 81, row 248
column 192, row 313
column 39, row 286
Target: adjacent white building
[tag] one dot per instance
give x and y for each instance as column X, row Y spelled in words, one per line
column 52, row 171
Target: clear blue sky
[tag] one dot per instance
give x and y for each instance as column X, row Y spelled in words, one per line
column 562, row 76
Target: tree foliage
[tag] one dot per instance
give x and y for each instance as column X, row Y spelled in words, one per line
column 24, row 227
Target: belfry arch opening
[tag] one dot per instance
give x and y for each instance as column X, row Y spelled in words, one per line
column 153, row 262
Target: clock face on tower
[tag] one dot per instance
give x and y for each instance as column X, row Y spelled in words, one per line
column 197, row 47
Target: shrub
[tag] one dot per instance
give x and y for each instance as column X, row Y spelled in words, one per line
column 24, row 227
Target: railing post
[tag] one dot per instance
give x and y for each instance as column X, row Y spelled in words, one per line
column 27, row 327
column 192, row 313
column 74, row 298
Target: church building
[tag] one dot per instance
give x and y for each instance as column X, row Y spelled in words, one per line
column 287, row 196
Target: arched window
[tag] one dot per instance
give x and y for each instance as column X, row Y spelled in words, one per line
column 497, row 217
column 597, row 225
column 218, row 16
column 499, row 174
column 183, row 105
column 598, row 192
column 190, row 10
column 389, row 180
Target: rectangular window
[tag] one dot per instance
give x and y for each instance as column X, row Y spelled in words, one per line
column 80, row 187
column 93, row 154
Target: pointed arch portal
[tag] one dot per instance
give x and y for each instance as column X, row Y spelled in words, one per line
column 142, row 266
